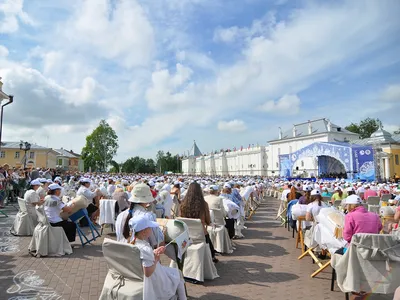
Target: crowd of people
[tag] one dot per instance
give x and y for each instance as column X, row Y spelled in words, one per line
column 141, row 198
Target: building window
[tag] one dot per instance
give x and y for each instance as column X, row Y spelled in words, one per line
column 16, row 154
column 302, row 163
column 277, row 165
column 2, row 154
column 396, row 158
column 60, row 162
column 31, row 155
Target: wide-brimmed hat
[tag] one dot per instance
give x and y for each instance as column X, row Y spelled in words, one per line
column 141, row 194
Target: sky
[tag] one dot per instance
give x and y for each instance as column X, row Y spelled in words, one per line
column 226, row 73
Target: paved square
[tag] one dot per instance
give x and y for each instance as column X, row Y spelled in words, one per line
column 264, row 266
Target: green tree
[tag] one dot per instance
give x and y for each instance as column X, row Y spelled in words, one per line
column 366, row 127
column 115, row 167
column 101, row 146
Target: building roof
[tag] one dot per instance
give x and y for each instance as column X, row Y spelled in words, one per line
column 195, row 151
column 318, row 126
column 15, row 145
column 65, row 153
column 379, row 137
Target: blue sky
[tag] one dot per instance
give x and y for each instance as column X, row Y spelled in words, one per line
column 223, row 73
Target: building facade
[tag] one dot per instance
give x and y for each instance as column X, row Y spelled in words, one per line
column 37, row 156
column 265, row 160
column 69, row 161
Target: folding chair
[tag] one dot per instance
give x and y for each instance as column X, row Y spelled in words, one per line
column 282, row 212
column 76, row 217
column 3, row 213
column 373, row 204
column 300, row 237
column 107, row 213
column 386, row 197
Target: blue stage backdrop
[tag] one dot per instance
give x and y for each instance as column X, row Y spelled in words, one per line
column 358, row 161
column 363, row 162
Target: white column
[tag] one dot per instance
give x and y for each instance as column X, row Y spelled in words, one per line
column 387, row 173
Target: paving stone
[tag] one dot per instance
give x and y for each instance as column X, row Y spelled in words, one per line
column 264, row 266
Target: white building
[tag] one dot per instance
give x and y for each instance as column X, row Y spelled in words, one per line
column 265, row 160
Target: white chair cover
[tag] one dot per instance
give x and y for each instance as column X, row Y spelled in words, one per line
column 124, row 280
column 107, row 211
column 218, row 233
column 371, row 263
column 48, row 240
column 373, row 204
column 198, row 262
column 24, row 223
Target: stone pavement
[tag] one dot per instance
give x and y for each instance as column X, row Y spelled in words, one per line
column 264, row 266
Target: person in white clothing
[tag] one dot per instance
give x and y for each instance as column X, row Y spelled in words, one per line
column 93, row 202
column 32, row 199
column 316, row 204
column 53, row 206
column 160, row 282
column 42, row 190
column 111, row 187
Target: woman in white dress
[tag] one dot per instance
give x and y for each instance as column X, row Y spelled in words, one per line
column 160, row 282
column 93, row 201
column 32, row 199
column 316, row 204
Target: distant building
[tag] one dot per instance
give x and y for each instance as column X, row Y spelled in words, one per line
column 387, row 151
column 37, row 156
column 69, row 161
column 312, row 148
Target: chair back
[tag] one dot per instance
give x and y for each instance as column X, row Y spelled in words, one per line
column 375, row 247
column 373, row 200
column 41, row 215
column 337, row 203
column 218, row 217
column 123, row 258
column 196, row 229
column 386, row 197
column 326, row 199
column 22, row 205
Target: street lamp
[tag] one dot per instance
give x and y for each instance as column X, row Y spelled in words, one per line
column 25, row 146
column 10, row 99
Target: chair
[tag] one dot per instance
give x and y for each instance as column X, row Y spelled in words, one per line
column 48, row 240
column 76, row 217
column 337, row 203
column 373, row 204
column 386, row 197
column 198, row 262
column 23, row 224
column 326, row 199
column 218, row 233
column 124, row 280
column 370, row 264
column 107, row 213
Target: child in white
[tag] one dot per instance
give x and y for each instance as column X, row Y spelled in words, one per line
column 160, row 282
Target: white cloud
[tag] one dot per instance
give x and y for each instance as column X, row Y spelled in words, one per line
column 232, row 126
column 3, row 51
column 391, row 93
column 286, row 105
column 12, row 12
column 169, row 89
column 120, row 32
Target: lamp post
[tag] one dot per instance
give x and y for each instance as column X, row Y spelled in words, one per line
column 25, row 146
column 10, row 99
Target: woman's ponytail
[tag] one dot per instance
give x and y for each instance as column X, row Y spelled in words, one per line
column 126, row 230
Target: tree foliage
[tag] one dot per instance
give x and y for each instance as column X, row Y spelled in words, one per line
column 167, row 162
column 365, row 128
column 138, row 165
column 101, row 146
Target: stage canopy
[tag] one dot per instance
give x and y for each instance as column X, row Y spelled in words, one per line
column 357, row 160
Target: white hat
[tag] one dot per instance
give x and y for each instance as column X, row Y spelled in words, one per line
column 353, row 199
column 159, row 186
column 214, row 187
column 307, row 188
column 49, row 181
column 141, row 194
column 141, row 222
column 315, row 192
column 58, row 178
column 42, row 180
column 35, row 182
column 86, row 180
column 227, row 186
column 338, row 188
column 350, row 189
column 54, row 186
column 151, row 183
